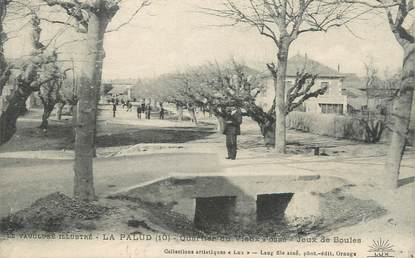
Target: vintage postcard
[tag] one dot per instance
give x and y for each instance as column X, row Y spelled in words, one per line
column 207, row 128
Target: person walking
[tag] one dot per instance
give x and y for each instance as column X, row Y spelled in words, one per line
column 232, row 128
column 114, row 109
column 138, row 111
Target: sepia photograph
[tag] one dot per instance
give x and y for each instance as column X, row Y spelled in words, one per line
column 207, row 128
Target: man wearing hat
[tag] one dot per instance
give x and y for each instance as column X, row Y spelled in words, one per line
column 232, row 128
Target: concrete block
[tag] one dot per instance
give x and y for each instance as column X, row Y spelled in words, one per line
column 303, row 204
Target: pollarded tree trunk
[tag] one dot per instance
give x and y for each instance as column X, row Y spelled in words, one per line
column 99, row 66
column 87, row 108
column 59, row 109
column 268, row 132
column 27, row 82
column 401, row 115
column 4, row 68
column 193, row 115
column 179, row 112
column 8, row 119
column 74, row 119
column 48, row 106
column 279, row 84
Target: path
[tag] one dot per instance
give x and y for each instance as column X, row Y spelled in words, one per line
column 24, row 180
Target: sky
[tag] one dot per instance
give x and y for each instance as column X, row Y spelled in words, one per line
column 172, row 35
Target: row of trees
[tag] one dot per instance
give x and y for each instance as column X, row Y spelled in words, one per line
column 284, row 21
column 31, row 74
column 41, row 72
column 213, row 87
column 281, row 21
column 90, row 18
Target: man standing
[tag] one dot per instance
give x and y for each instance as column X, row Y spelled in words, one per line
column 114, row 109
column 162, row 113
column 138, row 111
column 148, row 112
column 232, row 128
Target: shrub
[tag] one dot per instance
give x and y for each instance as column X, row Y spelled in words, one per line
column 327, row 124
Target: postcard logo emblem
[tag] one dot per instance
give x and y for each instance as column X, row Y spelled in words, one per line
column 381, row 248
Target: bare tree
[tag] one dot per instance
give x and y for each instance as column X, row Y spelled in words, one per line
column 166, row 88
column 93, row 17
column 216, row 87
column 4, row 66
column 398, row 14
column 66, row 96
column 29, row 80
column 301, row 90
column 283, row 21
column 50, row 93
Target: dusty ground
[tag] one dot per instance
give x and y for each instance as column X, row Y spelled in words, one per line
column 360, row 210
column 126, row 131
column 59, row 135
column 59, row 213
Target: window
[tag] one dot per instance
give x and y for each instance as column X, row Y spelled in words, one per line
column 331, row 108
column 325, row 84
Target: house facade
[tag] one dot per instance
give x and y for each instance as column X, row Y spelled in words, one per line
column 334, row 101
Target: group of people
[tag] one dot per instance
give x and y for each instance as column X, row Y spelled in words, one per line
column 231, row 126
column 144, row 109
column 141, row 109
column 126, row 105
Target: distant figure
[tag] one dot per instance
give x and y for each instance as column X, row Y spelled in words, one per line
column 232, row 128
column 162, row 113
column 114, row 109
column 192, row 111
column 139, row 111
column 129, row 106
column 148, row 112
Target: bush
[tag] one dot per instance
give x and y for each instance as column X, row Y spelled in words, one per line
column 327, row 124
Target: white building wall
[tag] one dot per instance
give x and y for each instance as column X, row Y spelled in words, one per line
column 312, row 105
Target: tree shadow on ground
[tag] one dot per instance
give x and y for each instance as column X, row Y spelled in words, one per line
column 405, row 181
column 31, row 138
column 150, row 136
column 59, row 136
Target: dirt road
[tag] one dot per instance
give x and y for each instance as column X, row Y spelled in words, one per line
column 24, row 180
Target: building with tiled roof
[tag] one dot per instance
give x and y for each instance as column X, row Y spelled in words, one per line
column 343, row 88
column 299, row 63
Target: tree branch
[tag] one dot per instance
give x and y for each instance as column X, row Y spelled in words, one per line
column 143, row 4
